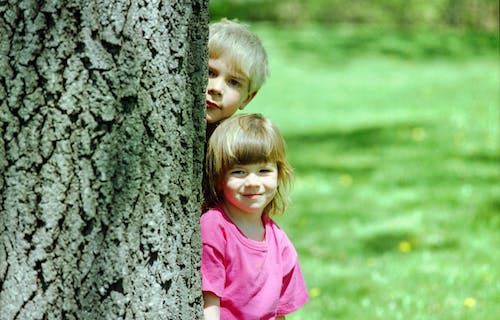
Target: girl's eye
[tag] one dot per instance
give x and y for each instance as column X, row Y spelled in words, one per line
column 267, row 170
column 237, row 172
column 211, row 73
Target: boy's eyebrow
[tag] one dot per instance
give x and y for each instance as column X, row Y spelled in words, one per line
column 237, row 73
column 239, row 76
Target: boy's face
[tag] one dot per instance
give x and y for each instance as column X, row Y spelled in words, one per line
column 227, row 89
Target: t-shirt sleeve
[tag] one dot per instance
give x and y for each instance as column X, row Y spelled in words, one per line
column 212, row 257
column 294, row 292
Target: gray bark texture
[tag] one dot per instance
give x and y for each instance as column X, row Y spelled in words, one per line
column 101, row 149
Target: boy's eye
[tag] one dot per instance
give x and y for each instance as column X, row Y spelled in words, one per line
column 234, row 83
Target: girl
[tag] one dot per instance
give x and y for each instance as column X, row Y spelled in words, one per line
column 249, row 266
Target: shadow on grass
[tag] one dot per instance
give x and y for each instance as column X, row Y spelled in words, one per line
column 406, row 241
column 358, row 150
column 352, row 42
column 488, row 214
column 387, row 240
column 351, row 139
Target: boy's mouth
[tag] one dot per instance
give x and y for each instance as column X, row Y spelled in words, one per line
column 212, row 105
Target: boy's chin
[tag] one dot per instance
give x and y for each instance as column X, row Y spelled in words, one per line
column 209, row 121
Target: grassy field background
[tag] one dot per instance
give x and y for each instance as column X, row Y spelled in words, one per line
column 394, row 138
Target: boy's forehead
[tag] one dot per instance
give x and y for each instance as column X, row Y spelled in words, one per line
column 231, row 62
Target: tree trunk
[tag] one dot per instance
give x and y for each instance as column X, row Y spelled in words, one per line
column 101, row 149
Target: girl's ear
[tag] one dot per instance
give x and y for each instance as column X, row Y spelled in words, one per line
column 247, row 100
column 220, row 186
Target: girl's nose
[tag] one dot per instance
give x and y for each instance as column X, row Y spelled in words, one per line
column 252, row 180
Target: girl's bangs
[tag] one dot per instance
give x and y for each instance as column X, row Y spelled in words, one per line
column 252, row 150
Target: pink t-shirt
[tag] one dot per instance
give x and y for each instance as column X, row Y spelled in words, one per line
column 254, row 280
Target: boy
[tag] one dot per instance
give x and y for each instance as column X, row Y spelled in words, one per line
column 237, row 66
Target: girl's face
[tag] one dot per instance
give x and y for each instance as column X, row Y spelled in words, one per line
column 250, row 188
column 227, row 89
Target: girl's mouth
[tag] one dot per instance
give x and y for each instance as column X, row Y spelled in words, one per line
column 252, row 195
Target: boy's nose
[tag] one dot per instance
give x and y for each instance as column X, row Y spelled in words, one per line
column 215, row 86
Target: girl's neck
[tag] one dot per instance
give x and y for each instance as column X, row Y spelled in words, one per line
column 250, row 224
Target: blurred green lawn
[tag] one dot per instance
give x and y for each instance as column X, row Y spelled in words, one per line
column 395, row 143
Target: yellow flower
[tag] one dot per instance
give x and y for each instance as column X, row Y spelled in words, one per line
column 370, row 261
column 486, row 276
column 459, row 137
column 470, row 302
column 345, row 180
column 405, row 246
column 418, row 134
column 314, row 292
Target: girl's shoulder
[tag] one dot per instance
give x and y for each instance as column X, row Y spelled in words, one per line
column 215, row 213
column 214, row 226
column 275, row 229
column 214, row 217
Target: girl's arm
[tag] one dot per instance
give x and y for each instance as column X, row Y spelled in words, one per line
column 211, row 306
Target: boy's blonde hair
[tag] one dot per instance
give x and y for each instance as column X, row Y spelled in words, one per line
column 247, row 139
column 244, row 49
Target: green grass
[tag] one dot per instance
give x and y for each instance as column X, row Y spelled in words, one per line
column 396, row 205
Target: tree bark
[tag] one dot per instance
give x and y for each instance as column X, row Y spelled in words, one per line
column 101, row 150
